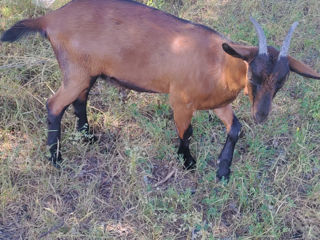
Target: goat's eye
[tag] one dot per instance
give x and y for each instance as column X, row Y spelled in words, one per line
column 256, row 79
column 280, row 83
column 254, row 88
column 253, row 83
column 256, row 82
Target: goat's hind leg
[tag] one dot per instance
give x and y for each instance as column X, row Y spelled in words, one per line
column 54, row 132
column 56, row 106
column 80, row 110
column 233, row 129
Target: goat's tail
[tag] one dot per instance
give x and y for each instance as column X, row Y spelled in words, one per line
column 23, row 27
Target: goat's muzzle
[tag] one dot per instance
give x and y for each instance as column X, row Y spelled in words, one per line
column 261, row 108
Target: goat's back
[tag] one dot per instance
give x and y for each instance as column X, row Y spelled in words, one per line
column 131, row 42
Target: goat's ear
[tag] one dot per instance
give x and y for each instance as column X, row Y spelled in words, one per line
column 302, row 69
column 246, row 53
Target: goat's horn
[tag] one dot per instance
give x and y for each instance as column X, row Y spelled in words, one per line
column 286, row 42
column 262, row 37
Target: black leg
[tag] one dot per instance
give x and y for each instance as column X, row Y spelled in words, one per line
column 189, row 162
column 80, row 107
column 80, row 110
column 225, row 158
column 68, row 93
column 54, row 134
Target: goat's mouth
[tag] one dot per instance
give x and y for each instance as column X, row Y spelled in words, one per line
column 259, row 117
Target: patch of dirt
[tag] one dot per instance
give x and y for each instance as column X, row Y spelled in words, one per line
column 230, row 214
column 9, row 231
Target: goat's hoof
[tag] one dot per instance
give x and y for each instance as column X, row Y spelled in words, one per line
column 56, row 160
column 90, row 138
column 57, row 165
column 189, row 164
column 87, row 137
column 223, row 173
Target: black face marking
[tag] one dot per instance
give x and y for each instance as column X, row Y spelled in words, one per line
column 255, row 82
column 281, row 73
column 263, row 107
column 258, row 70
column 279, row 83
column 266, row 76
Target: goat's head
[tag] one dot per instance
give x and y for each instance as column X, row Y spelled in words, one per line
column 268, row 69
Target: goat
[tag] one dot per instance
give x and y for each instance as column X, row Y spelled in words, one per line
column 148, row 50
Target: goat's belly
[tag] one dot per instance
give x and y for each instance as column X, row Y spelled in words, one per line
column 137, row 83
column 128, row 85
column 137, row 77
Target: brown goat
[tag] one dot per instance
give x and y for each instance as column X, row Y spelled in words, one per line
column 148, row 50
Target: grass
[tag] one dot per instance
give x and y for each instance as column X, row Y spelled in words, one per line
column 111, row 190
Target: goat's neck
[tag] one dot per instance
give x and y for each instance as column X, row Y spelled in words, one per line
column 235, row 73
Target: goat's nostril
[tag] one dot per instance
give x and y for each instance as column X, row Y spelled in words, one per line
column 260, row 117
column 263, row 114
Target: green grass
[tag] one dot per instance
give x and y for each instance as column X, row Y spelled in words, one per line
column 110, row 190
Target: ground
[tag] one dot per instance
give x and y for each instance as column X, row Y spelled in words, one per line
column 130, row 184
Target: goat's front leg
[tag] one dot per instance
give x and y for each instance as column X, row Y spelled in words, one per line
column 182, row 118
column 189, row 162
column 233, row 129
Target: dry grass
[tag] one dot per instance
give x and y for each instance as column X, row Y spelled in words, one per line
column 114, row 189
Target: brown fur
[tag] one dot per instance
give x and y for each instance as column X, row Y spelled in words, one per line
column 148, row 50
column 156, row 52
